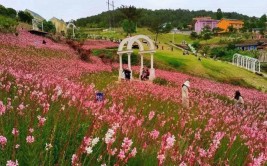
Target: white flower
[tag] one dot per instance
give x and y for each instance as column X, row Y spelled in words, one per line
column 95, row 141
column 89, row 150
column 48, row 146
column 109, row 135
column 103, row 164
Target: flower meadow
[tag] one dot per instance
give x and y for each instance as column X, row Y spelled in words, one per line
column 49, row 116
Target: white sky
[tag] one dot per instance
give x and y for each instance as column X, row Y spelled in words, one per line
column 73, row 9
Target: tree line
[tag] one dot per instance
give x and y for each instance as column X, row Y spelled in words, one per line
column 179, row 18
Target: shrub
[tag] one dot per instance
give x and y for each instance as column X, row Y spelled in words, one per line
column 25, row 17
column 7, row 24
column 194, row 35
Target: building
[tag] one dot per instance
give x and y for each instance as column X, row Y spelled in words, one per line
column 224, row 24
column 61, row 26
column 247, row 46
column 202, row 22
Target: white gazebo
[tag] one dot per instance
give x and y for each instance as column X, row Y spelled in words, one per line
column 246, row 62
column 149, row 49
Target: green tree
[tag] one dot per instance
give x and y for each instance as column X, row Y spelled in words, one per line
column 131, row 15
column 48, row 26
column 3, row 10
column 194, row 35
column 11, row 12
column 129, row 27
column 219, row 14
column 25, row 17
column 206, row 33
column 158, row 26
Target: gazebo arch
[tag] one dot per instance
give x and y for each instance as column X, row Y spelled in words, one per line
column 249, row 63
column 73, row 28
column 129, row 44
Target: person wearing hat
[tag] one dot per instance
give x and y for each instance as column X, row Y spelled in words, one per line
column 185, row 95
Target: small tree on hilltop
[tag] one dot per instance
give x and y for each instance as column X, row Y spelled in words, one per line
column 129, row 27
column 131, row 15
column 157, row 26
column 25, row 17
column 219, row 14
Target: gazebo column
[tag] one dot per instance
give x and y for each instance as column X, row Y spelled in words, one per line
column 129, row 64
column 152, row 70
column 142, row 65
column 120, row 70
column 259, row 67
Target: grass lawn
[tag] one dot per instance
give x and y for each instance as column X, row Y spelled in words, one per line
column 208, row 68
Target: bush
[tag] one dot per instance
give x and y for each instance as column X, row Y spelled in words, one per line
column 194, row 35
column 48, row 26
column 7, row 24
column 25, row 17
column 196, row 45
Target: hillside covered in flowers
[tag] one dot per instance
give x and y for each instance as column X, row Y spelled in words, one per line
column 49, row 114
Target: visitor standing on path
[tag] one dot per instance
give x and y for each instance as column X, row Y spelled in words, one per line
column 185, row 94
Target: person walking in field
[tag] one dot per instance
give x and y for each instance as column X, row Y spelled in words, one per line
column 185, row 94
column 239, row 101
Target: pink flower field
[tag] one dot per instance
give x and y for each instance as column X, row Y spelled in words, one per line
column 49, row 116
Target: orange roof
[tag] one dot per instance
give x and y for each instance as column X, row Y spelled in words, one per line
column 234, row 21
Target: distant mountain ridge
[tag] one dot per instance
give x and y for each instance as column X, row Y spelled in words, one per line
column 179, row 17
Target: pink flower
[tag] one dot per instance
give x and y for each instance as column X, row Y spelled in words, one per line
column 30, row 139
column 2, row 108
column 12, row 163
column 74, row 159
column 154, row 134
column 161, row 158
column 170, row 141
column 3, row 141
column 15, row 132
column 121, row 155
column 41, row 120
column 126, row 145
column 17, row 146
column 151, row 115
column 31, row 130
column 133, row 152
column 21, row 107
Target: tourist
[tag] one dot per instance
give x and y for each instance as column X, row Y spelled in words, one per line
column 44, row 42
column 145, row 74
column 185, row 94
column 239, row 101
column 127, row 74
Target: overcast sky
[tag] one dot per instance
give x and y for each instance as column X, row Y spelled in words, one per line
column 73, row 9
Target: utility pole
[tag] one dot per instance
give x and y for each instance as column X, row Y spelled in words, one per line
column 110, row 16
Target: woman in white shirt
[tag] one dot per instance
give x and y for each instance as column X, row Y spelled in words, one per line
column 185, row 94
